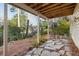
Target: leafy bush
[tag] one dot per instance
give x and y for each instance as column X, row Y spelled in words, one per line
column 62, row 28
column 1, row 38
column 43, row 27
column 15, row 33
column 42, row 41
column 35, row 44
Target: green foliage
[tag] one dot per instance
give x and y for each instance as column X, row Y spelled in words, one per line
column 43, row 27
column 15, row 33
column 42, row 41
column 62, row 28
column 34, row 43
column 1, row 38
column 13, row 22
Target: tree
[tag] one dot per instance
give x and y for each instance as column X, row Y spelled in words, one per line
column 13, row 9
column 27, row 27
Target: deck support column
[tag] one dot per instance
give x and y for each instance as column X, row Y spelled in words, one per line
column 38, row 30
column 5, row 32
column 18, row 17
column 48, row 29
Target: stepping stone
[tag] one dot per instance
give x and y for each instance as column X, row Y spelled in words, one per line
column 38, row 51
column 30, row 52
column 66, row 48
column 49, row 44
column 59, row 46
column 65, row 41
column 34, row 55
column 50, row 48
column 68, row 53
column 62, row 52
column 55, row 54
column 45, row 53
column 58, row 43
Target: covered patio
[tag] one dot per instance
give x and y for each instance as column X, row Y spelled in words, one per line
column 46, row 11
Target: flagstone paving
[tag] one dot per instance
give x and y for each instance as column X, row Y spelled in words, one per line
column 54, row 47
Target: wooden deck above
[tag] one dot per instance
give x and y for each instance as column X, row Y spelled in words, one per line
column 50, row 10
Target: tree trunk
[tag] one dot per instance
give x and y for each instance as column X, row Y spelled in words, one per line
column 27, row 27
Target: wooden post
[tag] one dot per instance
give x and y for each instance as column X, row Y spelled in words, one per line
column 5, row 32
column 38, row 30
column 48, row 29
column 18, row 18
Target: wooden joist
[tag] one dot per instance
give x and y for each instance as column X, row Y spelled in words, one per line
column 48, row 7
column 62, row 13
column 43, row 5
column 33, row 5
column 61, row 9
column 56, row 8
column 65, row 11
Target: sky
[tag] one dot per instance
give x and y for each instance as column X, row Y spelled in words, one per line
column 32, row 18
column 1, row 10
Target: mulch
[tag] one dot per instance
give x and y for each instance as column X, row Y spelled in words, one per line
column 18, row 48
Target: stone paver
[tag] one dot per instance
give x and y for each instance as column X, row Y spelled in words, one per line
column 62, row 52
column 59, row 46
column 31, row 52
column 45, row 53
column 38, row 51
column 52, row 48
column 68, row 53
column 55, row 54
column 66, row 48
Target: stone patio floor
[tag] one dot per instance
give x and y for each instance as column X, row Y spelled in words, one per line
column 55, row 47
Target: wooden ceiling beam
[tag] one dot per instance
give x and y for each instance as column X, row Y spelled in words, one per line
column 47, row 7
column 44, row 4
column 60, row 13
column 70, row 10
column 33, row 5
column 37, row 6
column 55, row 8
column 28, row 4
column 65, row 8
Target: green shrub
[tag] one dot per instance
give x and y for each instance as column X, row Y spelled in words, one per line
column 16, row 33
column 35, row 44
column 1, row 38
column 62, row 28
column 42, row 41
